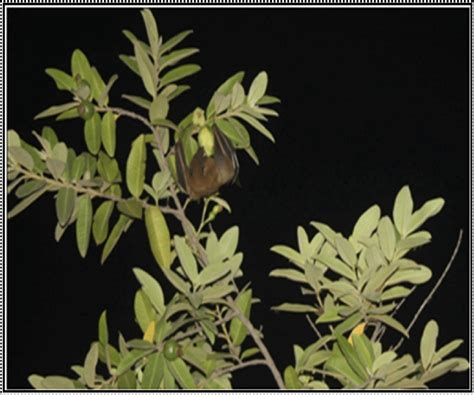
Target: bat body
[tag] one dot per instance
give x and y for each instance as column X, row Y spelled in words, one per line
column 206, row 174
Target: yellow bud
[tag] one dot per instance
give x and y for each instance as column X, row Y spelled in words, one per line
column 358, row 330
column 217, row 209
column 149, row 334
column 206, row 141
column 199, row 118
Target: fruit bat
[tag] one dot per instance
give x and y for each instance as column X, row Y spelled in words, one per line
column 207, row 173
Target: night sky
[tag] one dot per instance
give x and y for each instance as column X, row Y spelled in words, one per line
column 372, row 99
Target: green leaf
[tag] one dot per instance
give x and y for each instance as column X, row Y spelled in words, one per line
column 147, row 71
column 212, row 273
column 428, row 343
column 153, row 373
column 57, row 383
column 186, row 257
column 268, row 100
column 402, row 210
column 235, row 131
column 179, row 73
column 417, row 275
column 114, row 236
column 228, row 242
column 346, row 251
column 337, row 266
column 257, row 88
column 36, row 381
column 295, row 308
column 290, row 274
column 63, row 81
column 65, row 202
column 143, row 308
column 349, row 323
column 80, row 65
column 100, row 225
column 428, row 210
column 22, row 157
column 383, row 359
column 395, row 293
column 129, row 360
column 290, row 254
column 83, row 224
column 29, row 187
column 97, row 85
column 173, row 41
column 238, row 332
column 49, row 135
column 367, row 223
column 136, row 165
column 178, row 91
column 391, row 322
column 127, row 381
column 351, row 357
column 226, row 87
column 176, row 56
column 26, row 202
column 152, row 289
column 181, row 373
column 387, row 238
column 55, row 110
column 90, row 365
column 238, row 96
column 176, row 280
column 412, row 242
column 131, row 63
column 151, row 31
column 159, row 108
column 103, row 330
column 92, row 133
column 257, row 125
column 109, row 133
column 291, row 378
column 363, row 349
column 131, row 207
column 158, row 236
column 446, row 350
column 139, row 101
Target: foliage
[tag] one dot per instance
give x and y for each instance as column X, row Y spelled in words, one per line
column 199, row 335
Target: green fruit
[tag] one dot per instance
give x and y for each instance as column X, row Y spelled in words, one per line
column 83, row 90
column 171, row 350
column 86, row 110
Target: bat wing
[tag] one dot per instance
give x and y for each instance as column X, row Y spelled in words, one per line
column 181, row 168
column 225, row 156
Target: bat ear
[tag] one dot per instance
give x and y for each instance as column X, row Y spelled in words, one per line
column 181, row 168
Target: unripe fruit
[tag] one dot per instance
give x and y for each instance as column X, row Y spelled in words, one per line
column 86, row 110
column 171, row 350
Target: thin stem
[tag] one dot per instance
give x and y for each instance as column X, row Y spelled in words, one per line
column 435, row 288
column 258, row 341
column 315, row 329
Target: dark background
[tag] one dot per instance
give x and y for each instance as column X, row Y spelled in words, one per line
column 372, row 99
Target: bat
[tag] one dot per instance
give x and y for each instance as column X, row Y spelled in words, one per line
column 206, row 174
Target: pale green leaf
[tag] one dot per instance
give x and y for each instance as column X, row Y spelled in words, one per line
column 136, row 165
column 83, row 224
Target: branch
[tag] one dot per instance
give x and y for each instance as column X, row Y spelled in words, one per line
column 255, row 336
column 435, row 288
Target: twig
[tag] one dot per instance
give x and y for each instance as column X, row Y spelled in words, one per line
column 256, row 338
column 435, row 288
column 197, row 330
column 315, row 329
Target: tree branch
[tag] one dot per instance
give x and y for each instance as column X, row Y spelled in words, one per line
column 435, row 288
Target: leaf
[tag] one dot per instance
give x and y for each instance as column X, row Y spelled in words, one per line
column 290, row 254
column 23, row 204
column 100, row 225
column 159, row 108
column 179, row 73
column 109, row 133
column 295, row 308
column 131, row 207
column 173, row 41
column 114, row 236
column 65, row 201
column 349, row 323
column 143, row 308
column 428, row 343
column 129, row 360
column 391, row 322
column 395, row 293
column 147, row 71
column 29, row 187
column 228, row 242
column 235, row 131
column 257, row 88
column 402, row 210
column 212, row 273
column 383, row 359
column 63, row 81
column 139, row 101
column 346, row 251
column 136, row 165
column 367, row 223
column 186, row 257
column 92, row 133
column 336, row 266
column 158, row 236
column 57, row 383
column 83, row 224
column 364, row 350
column 417, row 275
column 291, row 378
column 428, row 210
column 446, row 350
column 151, row 31
column 387, row 239
column 152, row 289
column 238, row 96
column 103, row 330
column 55, row 110
column 36, row 381
column 80, row 65
column 90, row 364
column 176, row 56
column 290, row 274
column 131, row 63
column 238, row 332
column 178, row 91
column 181, row 373
column 257, row 125
column 351, row 357
column 22, row 157
column 176, row 280
column 412, row 242
column 153, row 373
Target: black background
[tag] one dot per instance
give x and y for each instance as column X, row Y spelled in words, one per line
column 372, row 99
